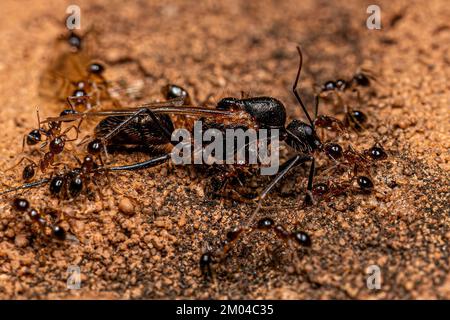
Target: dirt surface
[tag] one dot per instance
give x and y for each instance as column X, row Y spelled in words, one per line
column 151, row 247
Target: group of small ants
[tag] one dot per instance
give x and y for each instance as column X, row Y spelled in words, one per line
column 151, row 125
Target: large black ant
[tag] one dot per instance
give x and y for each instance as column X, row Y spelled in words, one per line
column 149, row 125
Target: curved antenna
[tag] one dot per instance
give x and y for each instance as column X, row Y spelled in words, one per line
column 26, row 186
column 294, row 88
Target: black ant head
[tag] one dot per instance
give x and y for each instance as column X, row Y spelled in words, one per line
column 329, row 86
column 320, row 189
column 376, row 153
column 56, row 184
column 361, row 80
column 302, row 137
column 172, row 91
column 74, row 41
column 33, row 137
column 302, row 238
column 67, row 112
column 96, row 68
column 333, row 150
column 21, row 204
column 364, row 183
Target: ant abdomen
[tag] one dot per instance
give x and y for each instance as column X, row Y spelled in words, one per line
column 364, row 183
column 22, row 205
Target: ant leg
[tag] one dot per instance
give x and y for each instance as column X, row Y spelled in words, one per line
column 299, row 238
column 294, row 88
column 287, row 166
column 316, row 106
column 20, row 161
column 130, row 118
column 142, row 165
column 127, row 59
column 26, row 186
column 309, row 199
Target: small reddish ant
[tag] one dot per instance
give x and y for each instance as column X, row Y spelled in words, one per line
column 55, row 138
column 56, row 231
column 292, row 239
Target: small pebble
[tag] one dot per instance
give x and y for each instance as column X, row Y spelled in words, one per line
column 126, row 206
column 21, row 240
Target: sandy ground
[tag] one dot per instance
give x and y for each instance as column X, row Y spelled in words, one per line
column 222, row 49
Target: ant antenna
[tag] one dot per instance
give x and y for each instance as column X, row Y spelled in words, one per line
column 26, row 186
column 294, row 88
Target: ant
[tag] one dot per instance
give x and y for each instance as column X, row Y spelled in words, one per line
column 55, row 138
column 69, row 184
column 292, row 239
column 353, row 118
column 77, row 77
column 149, row 125
column 56, row 231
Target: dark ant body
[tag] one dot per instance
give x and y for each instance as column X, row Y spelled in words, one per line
column 355, row 119
column 56, row 140
column 256, row 112
column 292, row 239
column 360, row 79
column 149, row 125
column 74, row 76
column 56, row 231
column 70, row 184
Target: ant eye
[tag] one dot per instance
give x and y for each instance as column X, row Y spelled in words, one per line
column 377, row 153
column 365, row 183
column 333, row 150
column 302, row 238
column 96, row 68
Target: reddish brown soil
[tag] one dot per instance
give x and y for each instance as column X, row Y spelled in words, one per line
column 222, row 49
